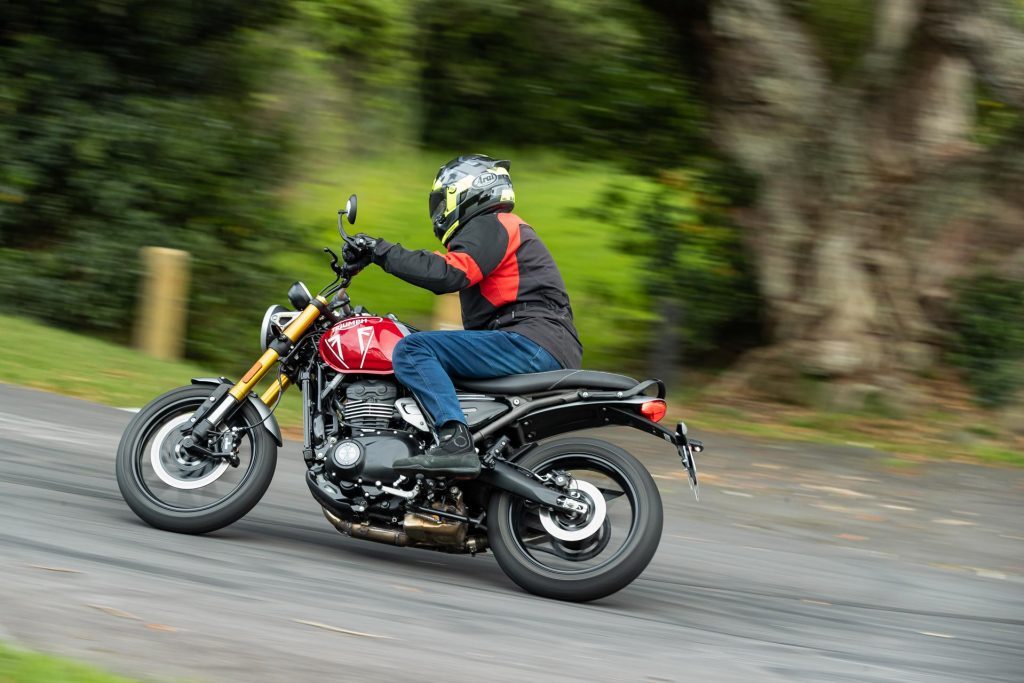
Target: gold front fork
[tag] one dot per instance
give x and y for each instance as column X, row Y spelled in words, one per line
column 258, row 371
column 274, row 391
column 260, row 368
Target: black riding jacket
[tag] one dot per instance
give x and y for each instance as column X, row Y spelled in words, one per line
column 506, row 279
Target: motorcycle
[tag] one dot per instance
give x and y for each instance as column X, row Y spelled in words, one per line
column 575, row 519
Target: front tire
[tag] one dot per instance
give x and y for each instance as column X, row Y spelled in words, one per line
column 192, row 495
column 565, row 566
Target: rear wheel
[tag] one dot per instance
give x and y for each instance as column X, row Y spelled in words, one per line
column 189, row 494
column 582, row 557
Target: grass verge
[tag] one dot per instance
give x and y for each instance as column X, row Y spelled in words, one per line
column 85, row 367
column 17, row 666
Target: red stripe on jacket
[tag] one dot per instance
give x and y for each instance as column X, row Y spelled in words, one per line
column 464, row 262
column 501, row 287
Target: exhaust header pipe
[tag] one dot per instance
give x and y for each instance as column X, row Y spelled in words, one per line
column 473, row 544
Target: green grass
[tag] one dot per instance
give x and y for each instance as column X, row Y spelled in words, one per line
column 84, row 367
column 73, row 364
column 550, row 192
column 17, row 666
column 998, row 454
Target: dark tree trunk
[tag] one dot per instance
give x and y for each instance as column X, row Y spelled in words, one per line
column 871, row 194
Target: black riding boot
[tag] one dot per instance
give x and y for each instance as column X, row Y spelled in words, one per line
column 452, row 456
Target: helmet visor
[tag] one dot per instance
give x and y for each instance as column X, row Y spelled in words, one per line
column 436, row 199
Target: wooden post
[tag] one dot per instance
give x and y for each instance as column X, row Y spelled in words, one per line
column 163, row 305
column 448, row 312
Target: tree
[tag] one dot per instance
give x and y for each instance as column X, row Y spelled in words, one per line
column 874, row 189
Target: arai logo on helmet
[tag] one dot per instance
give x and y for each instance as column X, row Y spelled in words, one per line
column 484, row 179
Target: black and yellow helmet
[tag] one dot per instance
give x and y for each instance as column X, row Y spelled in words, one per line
column 468, row 186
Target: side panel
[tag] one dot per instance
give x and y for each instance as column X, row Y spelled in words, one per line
column 480, row 411
column 269, row 421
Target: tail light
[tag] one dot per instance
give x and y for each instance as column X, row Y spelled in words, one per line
column 654, row 410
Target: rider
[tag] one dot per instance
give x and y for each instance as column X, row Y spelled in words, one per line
column 515, row 309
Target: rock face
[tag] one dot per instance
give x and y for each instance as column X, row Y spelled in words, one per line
column 872, row 194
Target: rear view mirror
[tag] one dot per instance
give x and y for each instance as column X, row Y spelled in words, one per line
column 350, row 210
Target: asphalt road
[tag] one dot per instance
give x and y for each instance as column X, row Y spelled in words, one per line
column 800, row 563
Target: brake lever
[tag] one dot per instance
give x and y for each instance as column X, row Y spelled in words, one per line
column 334, row 262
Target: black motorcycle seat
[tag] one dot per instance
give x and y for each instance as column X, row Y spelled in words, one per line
column 535, row 382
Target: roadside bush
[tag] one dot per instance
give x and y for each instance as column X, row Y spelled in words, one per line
column 126, row 124
column 592, row 76
column 987, row 319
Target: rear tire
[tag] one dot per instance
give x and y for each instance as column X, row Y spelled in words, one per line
column 156, row 419
column 506, row 512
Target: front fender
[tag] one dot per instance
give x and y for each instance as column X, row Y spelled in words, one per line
column 269, row 421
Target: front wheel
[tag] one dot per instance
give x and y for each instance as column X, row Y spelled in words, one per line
column 579, row 558
column 175, row 491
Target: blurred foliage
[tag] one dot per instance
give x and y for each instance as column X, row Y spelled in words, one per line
column 591, row 76
column 988, row 335
column 369, row 51
column 690, row 253
column 128, row 123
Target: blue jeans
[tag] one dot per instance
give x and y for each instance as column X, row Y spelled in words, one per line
column 425, row 361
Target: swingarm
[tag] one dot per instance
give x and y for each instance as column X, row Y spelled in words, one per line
column 508, row 477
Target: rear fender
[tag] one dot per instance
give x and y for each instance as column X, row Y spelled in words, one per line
column 269, row 421
column 589, row 414
column 578, row 415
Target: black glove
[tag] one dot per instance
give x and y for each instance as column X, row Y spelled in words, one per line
column 362, row 245
column 358, row 252
column 356, row 261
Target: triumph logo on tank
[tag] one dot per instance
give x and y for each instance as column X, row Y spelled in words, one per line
column 354, row 322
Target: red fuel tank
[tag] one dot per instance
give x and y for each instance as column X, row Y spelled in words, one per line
column 362, row 345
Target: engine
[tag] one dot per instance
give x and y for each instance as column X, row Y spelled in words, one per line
column 368, row 436
column 353, row 477
column 369, row 404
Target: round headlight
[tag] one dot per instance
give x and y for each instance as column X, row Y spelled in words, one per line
column 267, row 333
